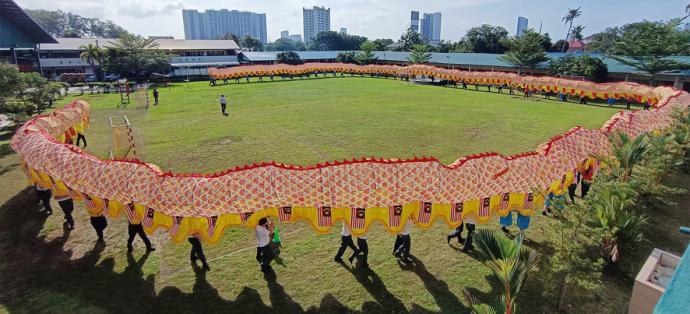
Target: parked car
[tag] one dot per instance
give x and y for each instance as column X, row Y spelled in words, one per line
column 90, row 78
column 111, row 77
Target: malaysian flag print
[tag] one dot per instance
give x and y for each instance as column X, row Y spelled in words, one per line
column 245, row 216
column 456, row 212
column 424, row 213
column 130, row 211
column 325, row 216
column 148, row 219
column 89, row 202
column 357, row 220
column 285, row 214
column 394, row 214
column 106, row 206
column 529, row 201
column 484, row 207
column 212, row 225
column 504, row 201
column 177, row 222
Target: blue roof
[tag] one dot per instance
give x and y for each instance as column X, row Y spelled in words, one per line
column 676, row 299
column 460, row 59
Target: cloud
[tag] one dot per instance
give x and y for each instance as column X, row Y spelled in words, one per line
column 150, row 9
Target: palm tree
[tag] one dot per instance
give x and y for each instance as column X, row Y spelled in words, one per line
column 626, row 154
column 90, row 54
column 576, row 33
column 420, row 54
column 509, row 262
column 568, row 19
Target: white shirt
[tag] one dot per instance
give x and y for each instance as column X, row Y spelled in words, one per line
column 262, row 236
column 346, row 230
column 470, row 220
column 408, row 227
column 222, row 100
column 363, row 237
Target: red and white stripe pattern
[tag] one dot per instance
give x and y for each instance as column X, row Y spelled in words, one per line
column 106, row 206
column 358, row 217
column 505, row 199
column 211, row 225
column 148, row 219
column 285, row 214
column 484, row 207
column 177, row 223
column 245, row 216
column 456, row 212
column 325, row 219
column 131, row 212
column 424, row 213
column 89, row 202
column 394, row 214
column 529, row 201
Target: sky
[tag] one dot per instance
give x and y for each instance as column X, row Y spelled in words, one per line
column 375, row 18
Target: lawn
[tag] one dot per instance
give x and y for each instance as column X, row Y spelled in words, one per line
column 46, row 269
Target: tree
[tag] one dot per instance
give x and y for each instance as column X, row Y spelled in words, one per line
column 605, row 42
column 366, row 55
column 576, row 33
column 569, row 266
column 288, row 57
column 420, row 54
column 23, row 94
column 285, row 44
column 409, row 40
column 133, row 56
column 64, row 24
column 233, row 37
column 591, row 67
column 445, row 46
column 558, row 45
column 91, row 54
column 626, row 154
column 647, row 46
column 330, row 40
column 509, row 262
column 568, row 19
column 381, row 44
column 252, row 43
column 345, row 57
column 486, row 39
column 525, row 51
column 546, row 42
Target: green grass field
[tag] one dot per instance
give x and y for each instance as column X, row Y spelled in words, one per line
column 46, row 269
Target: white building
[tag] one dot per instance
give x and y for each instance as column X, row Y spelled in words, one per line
column 189, row 57
column 284, row 34
column 316, row 20
column 521, row 26
column 296, row 37
column 431, row 27
column 343, row 30
column 214, row 24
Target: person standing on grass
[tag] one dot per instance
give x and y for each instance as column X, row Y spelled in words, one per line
column 345, row 242
column 403, row 243
column 155, row 96
column 470, row 222
column 223, row 103
column 610, row 101
column 44, row 195
column 62, row 195
column 363, row 253
column 587, row 176
column 263, row 240
column 197, row 251
column 135, row 228
column 96, row 210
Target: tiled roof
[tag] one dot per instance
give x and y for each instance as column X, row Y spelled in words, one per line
column 163, row 44
column 11, row 11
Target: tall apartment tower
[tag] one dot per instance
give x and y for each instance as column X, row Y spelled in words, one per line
column 521, row 26
column 316, row 20
column 414, row 21
column 214, row 24
column 431, row 27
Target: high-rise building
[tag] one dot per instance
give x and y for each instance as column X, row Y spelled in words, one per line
column 296, row 37
column 521, row 26
column 414, row 21
column 214, row 24
column 431, row 27
column 284, row 34
column 316, row 20
column 343, row 30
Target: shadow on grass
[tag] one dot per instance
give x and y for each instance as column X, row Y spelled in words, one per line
column 5, row 150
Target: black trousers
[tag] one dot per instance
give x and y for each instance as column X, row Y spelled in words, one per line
column 67, row 207
column 81, row 137
column 345, row 242
column 265, row 256
column 458, row 233
column 402, row 245
column 155, row 97
column 99, row 223
column 571, row 192
column 222, row 107
column 44, row 196
column 133, row 230
column 197, row 251
column 363, row 249
column 585, row 187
